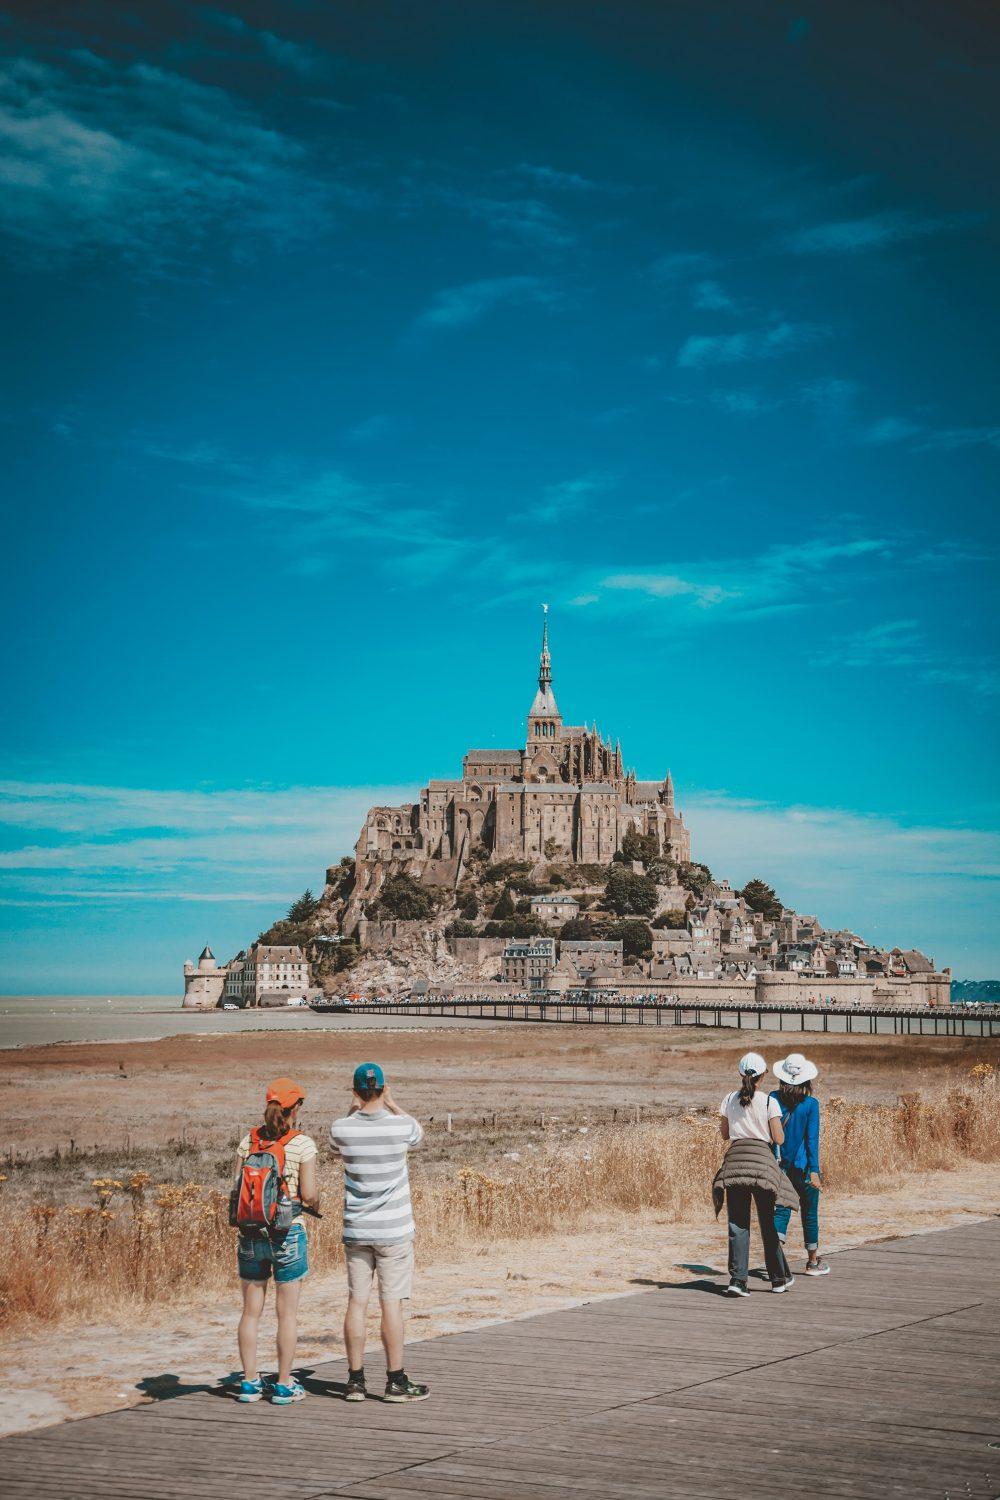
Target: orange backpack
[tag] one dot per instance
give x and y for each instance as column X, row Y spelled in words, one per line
column 259, row 1202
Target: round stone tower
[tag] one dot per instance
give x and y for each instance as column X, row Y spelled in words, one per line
column 203, row 982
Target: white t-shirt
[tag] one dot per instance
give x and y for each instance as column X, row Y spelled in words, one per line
column 750, row 1122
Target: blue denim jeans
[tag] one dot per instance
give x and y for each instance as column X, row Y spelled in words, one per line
column 808, row 1207
column 288, row 1258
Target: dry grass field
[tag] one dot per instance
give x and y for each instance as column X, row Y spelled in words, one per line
column 119, row 1284
column 551, row 1132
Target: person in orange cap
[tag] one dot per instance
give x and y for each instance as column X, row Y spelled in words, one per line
column 275, row 1180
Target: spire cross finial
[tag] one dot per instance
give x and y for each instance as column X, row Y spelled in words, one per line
column 545, row 663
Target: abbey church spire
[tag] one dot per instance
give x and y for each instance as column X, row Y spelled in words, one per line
column 544, row 720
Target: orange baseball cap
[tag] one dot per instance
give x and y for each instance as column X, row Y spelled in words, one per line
column 284, row 1092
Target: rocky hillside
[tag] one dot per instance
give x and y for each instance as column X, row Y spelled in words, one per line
column 406, row 931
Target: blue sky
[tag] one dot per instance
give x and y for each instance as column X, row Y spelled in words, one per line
column 336, row 343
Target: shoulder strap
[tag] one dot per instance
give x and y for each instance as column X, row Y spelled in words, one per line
column 276, row 1147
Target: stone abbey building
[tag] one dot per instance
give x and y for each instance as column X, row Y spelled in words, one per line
column 566, row 796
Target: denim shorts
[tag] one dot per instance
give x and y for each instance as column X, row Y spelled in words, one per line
column 288, row 1258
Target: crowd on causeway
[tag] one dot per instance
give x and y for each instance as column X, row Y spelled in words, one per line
column 771, row 1163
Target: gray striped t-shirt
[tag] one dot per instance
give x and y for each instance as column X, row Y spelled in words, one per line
column 377, row 1209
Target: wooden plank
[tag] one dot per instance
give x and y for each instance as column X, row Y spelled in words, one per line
column 622, row 1397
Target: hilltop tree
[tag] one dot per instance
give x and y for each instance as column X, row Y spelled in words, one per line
column 694, row 878
column 637, row 941
column 761, row 897
column 402, row 899
column 674, row 919
column 468, row 905
column 504, row 909
column 304, row 908
column 663, row 871
column 640, row 846
column 461, row 928
column 514, row 927
column 576, row 927
column 630, row 894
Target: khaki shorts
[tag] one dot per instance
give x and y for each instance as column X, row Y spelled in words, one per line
column 393, row 1264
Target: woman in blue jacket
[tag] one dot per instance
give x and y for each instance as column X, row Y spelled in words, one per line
column 799, row 1152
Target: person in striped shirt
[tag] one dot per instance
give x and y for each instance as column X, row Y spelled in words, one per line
column 372, row 1140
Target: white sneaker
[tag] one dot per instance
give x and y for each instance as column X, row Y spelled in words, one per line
column 817, row 1268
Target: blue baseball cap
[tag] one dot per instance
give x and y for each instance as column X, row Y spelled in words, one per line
column 368, row 1076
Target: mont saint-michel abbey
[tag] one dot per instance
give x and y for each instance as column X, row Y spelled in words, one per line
column 565, row 796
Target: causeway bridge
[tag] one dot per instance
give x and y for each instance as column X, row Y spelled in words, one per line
column 612, row 1010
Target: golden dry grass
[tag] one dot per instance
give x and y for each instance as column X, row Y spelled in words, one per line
column 139, row 1244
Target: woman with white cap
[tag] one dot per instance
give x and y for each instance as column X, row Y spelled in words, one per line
column 751, row 1122
column 799, row 1151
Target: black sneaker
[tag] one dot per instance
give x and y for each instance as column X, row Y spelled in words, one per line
column 405, row 1389
column 737, row 1289
column 356, row 1388
column 783, row 1286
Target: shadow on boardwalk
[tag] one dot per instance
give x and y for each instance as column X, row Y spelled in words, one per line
column 880, row 1380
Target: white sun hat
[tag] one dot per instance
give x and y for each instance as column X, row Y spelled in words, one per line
column 795, row 1069
column 752, row 1062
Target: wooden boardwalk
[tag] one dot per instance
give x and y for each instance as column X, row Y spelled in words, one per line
column 879, row 1380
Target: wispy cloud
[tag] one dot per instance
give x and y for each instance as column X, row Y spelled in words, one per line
column 552, row 177
column 135, row 158
column 926, row 886
column 701, row 350
column 568, row 497
column 745, row 403
column 779, row 579
column 889, row 430
column 667, row 586
column 680, row 265
column 297, row 57
column 104, row 846
column 711, row 296
column 874, row 232
column 458, row 306
column 108, row 843
column 516, row 221
column 309, row 517
column 902, row 645
column 949, row 439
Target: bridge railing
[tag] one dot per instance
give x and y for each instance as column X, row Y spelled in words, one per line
column 611, row 1010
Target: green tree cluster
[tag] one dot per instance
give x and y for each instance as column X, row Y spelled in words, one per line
column 514, row 927
column 671, row 919
column 304, row 908
column 636, row 938
column 468, row 905
column 628, row 893
column 694, row 877
column 461, row 928
column 640, row 846
column 402, row 899
column 761, row 897
column 504, row 908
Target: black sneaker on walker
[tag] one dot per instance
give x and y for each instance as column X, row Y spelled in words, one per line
column 355, row 1390
column 399, row 1387
column 784, row 1285
column 737, row 1289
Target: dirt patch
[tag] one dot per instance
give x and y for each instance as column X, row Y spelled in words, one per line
column 208, row 1088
